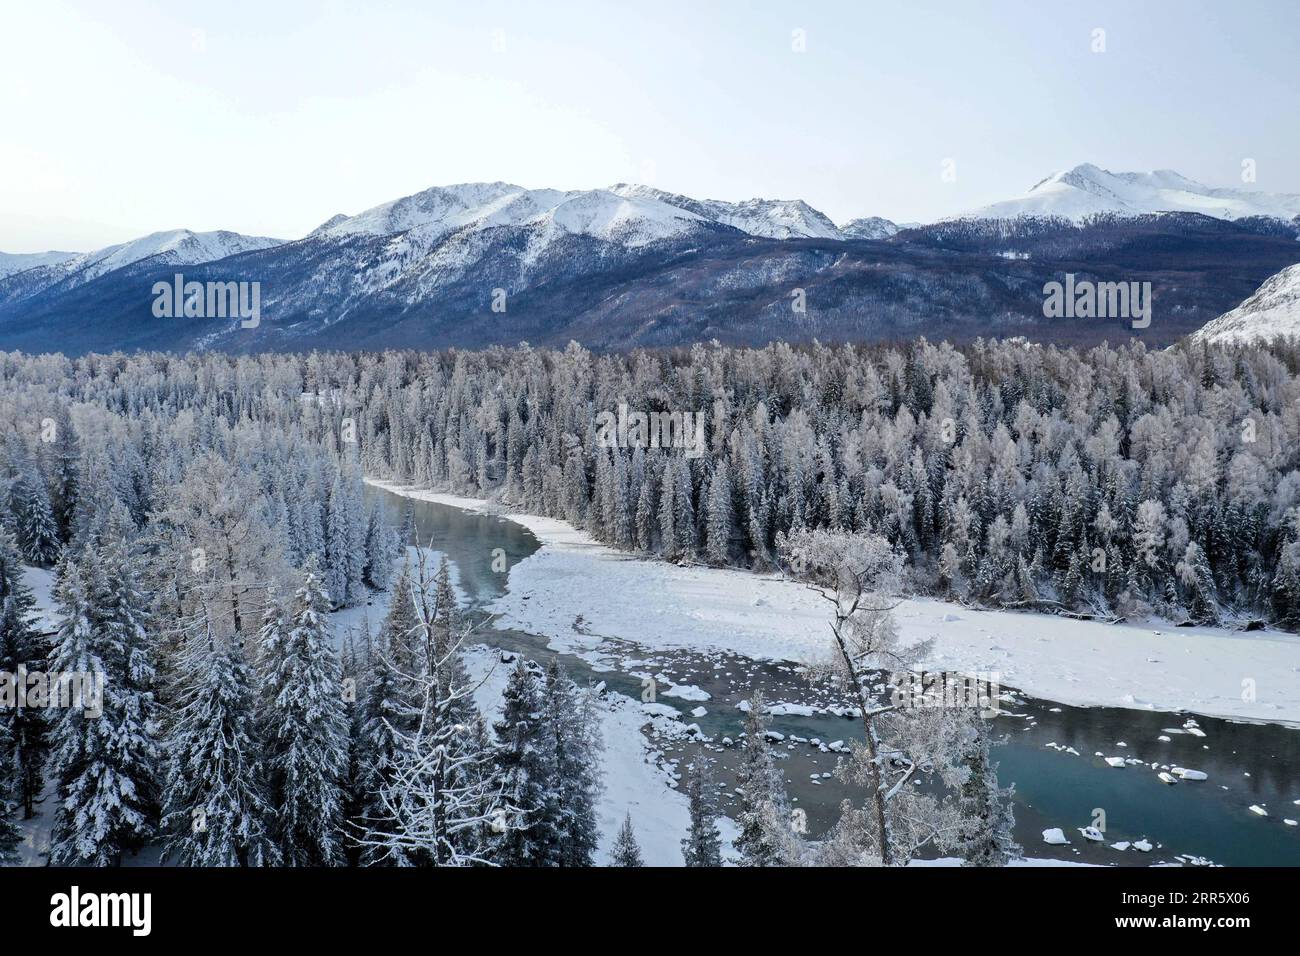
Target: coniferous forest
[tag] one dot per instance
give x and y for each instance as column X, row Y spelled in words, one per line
column 203, row 516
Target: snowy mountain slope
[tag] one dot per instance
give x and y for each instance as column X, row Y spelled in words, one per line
column 178, row 247
column 438, row 212
column 871, row 227
column 1273, row 311
column 12, row 262
column 767, row 218
column 1088, row 190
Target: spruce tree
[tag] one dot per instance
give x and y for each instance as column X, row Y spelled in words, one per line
column 984, row 836
column 571, row 723
column 526, row 756
column 24, row 739
column 217, row 811
column 763, row 798
column 106, row 763
column 703, row 845
column 305, row 725
column 625, row 851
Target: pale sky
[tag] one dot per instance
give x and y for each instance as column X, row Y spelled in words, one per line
column 122, row 118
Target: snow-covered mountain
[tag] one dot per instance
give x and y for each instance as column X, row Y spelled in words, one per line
column 1088, row 190
column 871, row 227
column 1273, row 311
column 11, row 262
column 179, row 246
column 173, row 247
column 766, row 218
column 438, row 212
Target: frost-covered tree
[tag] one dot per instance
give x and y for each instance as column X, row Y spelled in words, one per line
column 625, row 851
column 105, row 759
column 305, row 738
column 703, row 844
column 571, row 725
column 33, row 518
column 444, row 793
column 858, row 576
column 380, row 548
column 984, row 834
column 24, row 732
column 216, row 806
column 764, row 807
column 527, row 758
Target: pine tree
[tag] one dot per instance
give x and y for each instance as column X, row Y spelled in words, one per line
column 385, row 713
column 625, row 851
column 527, row 758
column 24, row 733
column 703, row 846
column 217, row 812
column 10, row 835
column 984, row 836
column 570, row 722
column 763, row 798
column 380, row 548
column 35, row 526
column 720, row 515
column 305, row 735
column 408, row 536
column 106, row 763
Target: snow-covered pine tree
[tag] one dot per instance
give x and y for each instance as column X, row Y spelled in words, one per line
column 625, row 851
column 380, row 547
column 408, row 536
column 65, row 473
column 34, row 523
column 703, row 844
column 216, row 811
column 304, row 725
column 572, row 724
column 106, row 764
column 24, row 739
column 984, row 835
column 446, row 634
column 390, row 712
column 10, row 834
column 526, row 757
column 720, row 509
column 763, row 801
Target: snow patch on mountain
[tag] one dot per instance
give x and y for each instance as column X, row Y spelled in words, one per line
column 436, row 213
column 870, row 227
column 766, row 218
column 12, row 262
column 1273, row 311
column 179, row 246
column 1088, row 190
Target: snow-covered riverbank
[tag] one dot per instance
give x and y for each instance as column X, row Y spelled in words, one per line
column 1217, row 672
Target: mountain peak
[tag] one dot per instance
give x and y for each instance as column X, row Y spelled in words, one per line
column 1088, row 190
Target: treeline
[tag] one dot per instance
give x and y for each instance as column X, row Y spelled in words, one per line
column 1111, row 482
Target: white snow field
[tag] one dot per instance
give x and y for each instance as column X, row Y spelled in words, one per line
column 1271, row 311
column 1209, row 671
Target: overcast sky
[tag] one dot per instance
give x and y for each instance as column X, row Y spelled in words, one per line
column 123, row 118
